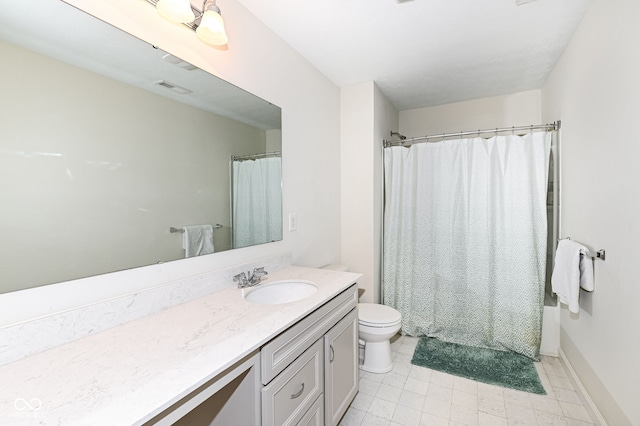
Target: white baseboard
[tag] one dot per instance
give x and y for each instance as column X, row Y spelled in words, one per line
column 582, row 392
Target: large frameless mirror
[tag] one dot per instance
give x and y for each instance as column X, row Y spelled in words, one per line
column 106, row 143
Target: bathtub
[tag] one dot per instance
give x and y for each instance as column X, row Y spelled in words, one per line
column 550, row 331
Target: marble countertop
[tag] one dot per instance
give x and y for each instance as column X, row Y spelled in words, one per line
column 129, row 373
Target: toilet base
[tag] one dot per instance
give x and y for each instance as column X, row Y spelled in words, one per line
column 377, row 357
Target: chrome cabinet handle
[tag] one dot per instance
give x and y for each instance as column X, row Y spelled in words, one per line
column 297, row 394
column 332, row 353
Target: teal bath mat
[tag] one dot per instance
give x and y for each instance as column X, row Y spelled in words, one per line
column 506, row 369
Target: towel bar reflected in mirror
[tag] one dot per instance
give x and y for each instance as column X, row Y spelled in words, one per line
column 172, row 229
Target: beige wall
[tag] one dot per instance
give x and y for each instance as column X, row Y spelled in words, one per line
column 357, row 162
column 274, row 140
column 595, row 90
column 367, row 117
column 258, row 61
column 518, row 109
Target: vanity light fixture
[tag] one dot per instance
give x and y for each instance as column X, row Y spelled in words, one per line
column 211, row 28
column 208, row 23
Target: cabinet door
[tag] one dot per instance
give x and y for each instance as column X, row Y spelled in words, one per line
column 340, row 367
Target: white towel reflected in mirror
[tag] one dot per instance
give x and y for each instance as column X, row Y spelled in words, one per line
column 197, row 240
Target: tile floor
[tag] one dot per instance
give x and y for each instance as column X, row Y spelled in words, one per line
column 413, row 396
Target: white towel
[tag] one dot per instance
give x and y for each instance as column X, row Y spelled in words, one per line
column 573, row 269
column 197, row 240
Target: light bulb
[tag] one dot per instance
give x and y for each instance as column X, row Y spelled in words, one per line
column 211, row 28
column 177, row 11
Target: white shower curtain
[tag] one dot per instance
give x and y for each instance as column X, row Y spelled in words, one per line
column 465, row 239
column 257, row 201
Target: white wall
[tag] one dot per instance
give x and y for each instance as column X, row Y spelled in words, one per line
column 367, row 117
column 258, row 61
column 595, row 90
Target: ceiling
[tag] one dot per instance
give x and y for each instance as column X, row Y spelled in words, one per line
column 424, row 53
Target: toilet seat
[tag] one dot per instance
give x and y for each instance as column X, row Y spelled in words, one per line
column 375, row 315
column 379, row 325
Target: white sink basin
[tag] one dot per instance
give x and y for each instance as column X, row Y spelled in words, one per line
column 277, row 292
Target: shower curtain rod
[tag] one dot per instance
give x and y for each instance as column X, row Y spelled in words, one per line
column 422, row 139
column 253, row 156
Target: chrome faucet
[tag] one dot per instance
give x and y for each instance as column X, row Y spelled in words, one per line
column 254, row 278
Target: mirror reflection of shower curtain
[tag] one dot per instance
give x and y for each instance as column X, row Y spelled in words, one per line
column 465, row 239
column 256, row 201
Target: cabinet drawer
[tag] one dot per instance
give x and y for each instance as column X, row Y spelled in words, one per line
column 315, row 415
column 285, row 348
column 288, row 397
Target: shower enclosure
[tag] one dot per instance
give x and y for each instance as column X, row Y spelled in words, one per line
column 470, row 225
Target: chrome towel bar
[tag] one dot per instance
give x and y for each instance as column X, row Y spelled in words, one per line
column 599, row 254
column 172, row 229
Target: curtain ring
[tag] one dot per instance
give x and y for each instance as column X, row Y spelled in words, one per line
column 513, row 130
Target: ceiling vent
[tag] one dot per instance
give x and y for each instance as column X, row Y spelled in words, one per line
column 173, row 87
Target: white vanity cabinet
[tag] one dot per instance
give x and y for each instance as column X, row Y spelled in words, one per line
column 310, row 371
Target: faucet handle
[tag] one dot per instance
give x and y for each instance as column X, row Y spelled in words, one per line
column 260, row 271
column 241, row 278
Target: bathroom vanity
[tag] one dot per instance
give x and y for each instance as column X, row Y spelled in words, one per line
column 216, row 360
column 307, row 375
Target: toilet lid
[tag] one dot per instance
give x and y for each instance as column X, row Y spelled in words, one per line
column 375, row 314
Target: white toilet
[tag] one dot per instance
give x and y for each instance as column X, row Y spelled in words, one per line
column 377, row 325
